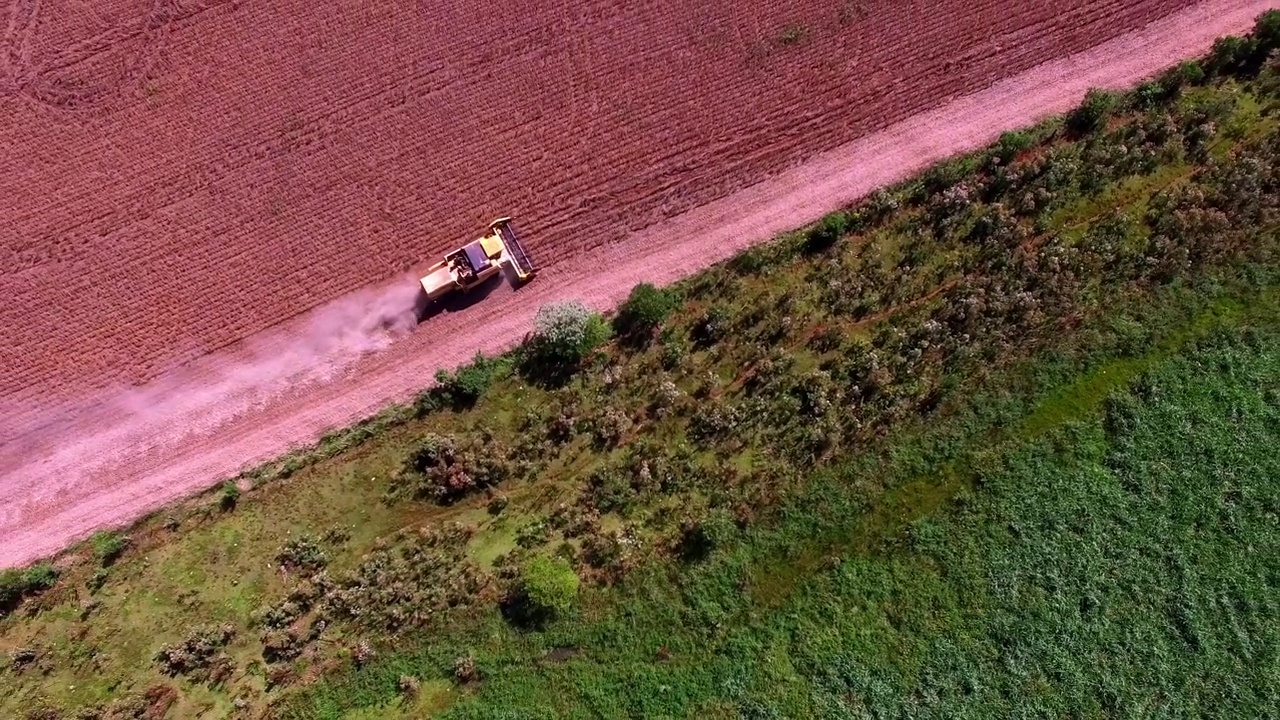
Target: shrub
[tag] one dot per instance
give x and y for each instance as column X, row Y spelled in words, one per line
column 644, row 311
column 1012, row 143
column 563, row 335
column 609, row 551
column 1148, row 95
column 1180, row 76
column 336, row 535
column 465, row 669
column 700, row 535
column 950, row 206
column 1266, row 35
column 749, row 262
column 609, row 490
column 717, row 420
column 712, row 327
column 303, row 554
column 1231, row 55
column 463, row 387
column 533, row 533
column 229, row 495
column 547, row 589
column 879, row 205
column 609, row 426
column 825, row 234
column 409, row 686
column 363, row 653
column 280, row 645
column 675, row 348
column 277, row 617
column 107, row 546
column 21, row 658
column 442, row 470
column 15, row 585
column 1091, row 115
column 497, row 504
column 40, row 577
column 199, row 656
column 412, row 583
column 279, row 676
column 97, row 580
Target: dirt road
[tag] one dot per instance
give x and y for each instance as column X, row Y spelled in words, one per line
column 79, row 453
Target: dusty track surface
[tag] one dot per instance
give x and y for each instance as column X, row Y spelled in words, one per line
column 182, row 176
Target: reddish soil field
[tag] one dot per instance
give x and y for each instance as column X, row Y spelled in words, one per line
column 178, row 175
column 176, row 178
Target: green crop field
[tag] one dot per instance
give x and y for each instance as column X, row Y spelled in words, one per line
column 997, row 442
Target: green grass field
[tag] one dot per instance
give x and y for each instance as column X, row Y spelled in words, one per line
column 1122, row 563
column 995, row 442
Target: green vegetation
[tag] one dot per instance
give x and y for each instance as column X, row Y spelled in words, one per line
column 462, row 388
column 646, row 308
column 18, row 584
column 107, row 546
column 563, row 335
column 996, row 442
column 547, row 589
column 1091, row 115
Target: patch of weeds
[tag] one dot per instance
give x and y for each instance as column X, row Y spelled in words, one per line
column 228, row 496
column 793, row 34
column 827, row 232
column 97, row 579
column 712, row 327
column 303, row 554
column 200, row 656
column 16, row 585
column 442, row 469
column 421, row 575
column 107, row 546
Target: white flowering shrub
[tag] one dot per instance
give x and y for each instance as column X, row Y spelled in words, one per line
column 563, row 335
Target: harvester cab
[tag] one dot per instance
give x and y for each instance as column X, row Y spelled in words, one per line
column 479, row 260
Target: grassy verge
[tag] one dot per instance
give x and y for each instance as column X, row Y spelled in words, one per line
column 781, row 488
column 1119, row 561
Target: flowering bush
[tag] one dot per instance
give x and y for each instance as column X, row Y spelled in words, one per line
column 563, row 335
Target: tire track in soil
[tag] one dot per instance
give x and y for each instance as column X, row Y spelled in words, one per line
column 51, row 494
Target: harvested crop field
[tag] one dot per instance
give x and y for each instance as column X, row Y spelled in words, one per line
column 177, row 178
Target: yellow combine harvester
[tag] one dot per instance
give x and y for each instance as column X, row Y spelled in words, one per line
column 472, row 264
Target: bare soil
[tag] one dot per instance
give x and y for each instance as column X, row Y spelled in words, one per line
column 210, row 201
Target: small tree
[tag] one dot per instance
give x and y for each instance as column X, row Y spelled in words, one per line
column 1092, row 113
column 1266, row 32
column 831, row 228
column 464, row 387
column 1231, row 55
column 547, row 589
column 644, row 311
column 1176, row 78
column 563, row 335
